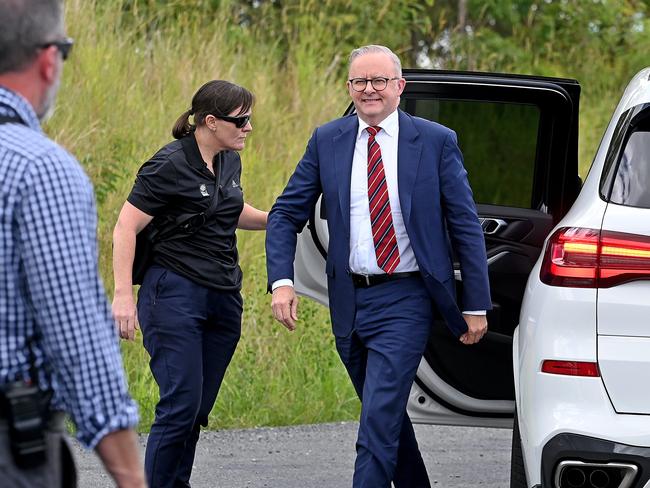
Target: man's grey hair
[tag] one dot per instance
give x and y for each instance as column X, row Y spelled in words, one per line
column 27, row 25
column 374, row 48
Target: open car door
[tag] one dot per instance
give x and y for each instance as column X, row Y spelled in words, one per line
column 519, row 138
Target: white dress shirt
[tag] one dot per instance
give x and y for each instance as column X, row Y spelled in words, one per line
column 363, row 259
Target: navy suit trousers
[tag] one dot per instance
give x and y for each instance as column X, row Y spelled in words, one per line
column 381, row 355
column 190, row 332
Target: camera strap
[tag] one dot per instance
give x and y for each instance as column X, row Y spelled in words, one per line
column 8, row 119
column 5, row 119
column 190, row 223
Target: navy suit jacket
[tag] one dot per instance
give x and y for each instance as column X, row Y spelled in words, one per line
column 437, row 206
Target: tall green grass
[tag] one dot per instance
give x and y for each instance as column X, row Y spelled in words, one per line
column 133, row 72
column 122, row 90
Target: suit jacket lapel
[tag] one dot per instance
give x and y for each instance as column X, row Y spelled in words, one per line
column 343, row 145
column 409, row 150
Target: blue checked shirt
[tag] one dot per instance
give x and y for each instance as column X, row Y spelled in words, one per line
column 50, row 291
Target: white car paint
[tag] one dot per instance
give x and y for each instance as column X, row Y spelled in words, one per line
column 608, row 326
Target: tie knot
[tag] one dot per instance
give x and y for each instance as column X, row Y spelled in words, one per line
column 372, row 130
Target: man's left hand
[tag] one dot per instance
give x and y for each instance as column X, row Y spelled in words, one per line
column 476, row 328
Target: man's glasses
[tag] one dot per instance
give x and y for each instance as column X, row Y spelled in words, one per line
column 240, row 122
column 64, row 46
column 378, row 84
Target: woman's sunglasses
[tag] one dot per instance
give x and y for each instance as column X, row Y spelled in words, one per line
column 240, row 122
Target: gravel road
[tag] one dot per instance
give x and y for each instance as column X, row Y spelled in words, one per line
column 322, row 456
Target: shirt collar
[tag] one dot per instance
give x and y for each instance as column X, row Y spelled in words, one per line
column 192, row 152
column 12, row 103
column 389, row 125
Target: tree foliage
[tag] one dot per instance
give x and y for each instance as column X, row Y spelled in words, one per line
column 521, row 35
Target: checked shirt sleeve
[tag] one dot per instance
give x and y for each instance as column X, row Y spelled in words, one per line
column 57, row 224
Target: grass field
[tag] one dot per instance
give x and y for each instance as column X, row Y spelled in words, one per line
column 129, row 78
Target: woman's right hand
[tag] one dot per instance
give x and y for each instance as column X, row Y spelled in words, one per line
column 129, row 223
column 125, row 315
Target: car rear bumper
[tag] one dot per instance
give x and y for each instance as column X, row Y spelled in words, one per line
column 560, row 324
column 586, row 449
column 562, row 407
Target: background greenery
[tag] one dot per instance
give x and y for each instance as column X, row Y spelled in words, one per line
column 137, row 63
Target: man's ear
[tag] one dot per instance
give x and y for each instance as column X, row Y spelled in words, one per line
column 48, row 64
column 401, row 83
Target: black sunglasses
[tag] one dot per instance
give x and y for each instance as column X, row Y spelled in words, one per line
column 64, row 46
column 240, row 122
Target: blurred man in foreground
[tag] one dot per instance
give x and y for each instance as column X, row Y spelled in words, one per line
column 58, row 347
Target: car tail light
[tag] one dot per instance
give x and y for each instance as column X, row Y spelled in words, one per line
column 570, row 368
column 588, row 258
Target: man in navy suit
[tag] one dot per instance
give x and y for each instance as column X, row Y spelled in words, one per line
column 397, row 199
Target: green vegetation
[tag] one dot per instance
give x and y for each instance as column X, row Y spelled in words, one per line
column 137, row 63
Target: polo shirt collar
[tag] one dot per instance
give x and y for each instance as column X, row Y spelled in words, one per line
column 192, row 153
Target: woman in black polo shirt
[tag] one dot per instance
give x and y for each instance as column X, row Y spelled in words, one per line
column 189, row 304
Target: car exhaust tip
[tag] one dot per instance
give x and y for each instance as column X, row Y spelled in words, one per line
column 579, row 474
column 575, row 477
column 599, row 478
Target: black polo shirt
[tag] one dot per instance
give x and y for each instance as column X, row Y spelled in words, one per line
column 176, row 181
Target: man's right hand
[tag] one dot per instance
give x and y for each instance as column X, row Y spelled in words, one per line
column 285, row 306
column 125, row 315
column 119, row 452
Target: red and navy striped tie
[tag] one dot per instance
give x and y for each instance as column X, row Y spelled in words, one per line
column 381, row 218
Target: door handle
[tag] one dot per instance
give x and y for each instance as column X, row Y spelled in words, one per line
column 492, row 226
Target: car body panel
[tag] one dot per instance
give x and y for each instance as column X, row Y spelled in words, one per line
column 637, row 92
column 606, row 325
column 559, row 323
column 422, row 408
column 623, row 361
column 624, row 310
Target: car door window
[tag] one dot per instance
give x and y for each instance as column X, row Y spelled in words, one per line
column 632, row 182
column 626, row 176
column 499, row 145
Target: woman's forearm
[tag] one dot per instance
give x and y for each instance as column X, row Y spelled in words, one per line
column 252, row 218
column 123, row 255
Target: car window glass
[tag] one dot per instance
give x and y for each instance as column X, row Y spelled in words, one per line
column 632, row 183
column 498, row 141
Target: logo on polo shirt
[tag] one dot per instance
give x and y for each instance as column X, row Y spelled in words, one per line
column 234, row 184
column 204, row 190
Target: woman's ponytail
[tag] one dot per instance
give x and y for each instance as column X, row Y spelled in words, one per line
column 182, row 127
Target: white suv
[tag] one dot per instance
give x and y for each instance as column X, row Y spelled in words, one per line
column 568, row 352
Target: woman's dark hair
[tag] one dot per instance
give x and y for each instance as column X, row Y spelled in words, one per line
column 216, row 97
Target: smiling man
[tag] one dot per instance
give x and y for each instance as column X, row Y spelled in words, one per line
column 396, row 193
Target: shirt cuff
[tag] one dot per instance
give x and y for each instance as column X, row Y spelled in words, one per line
column 283, row 282
column 99, row 424
column 474, row 312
